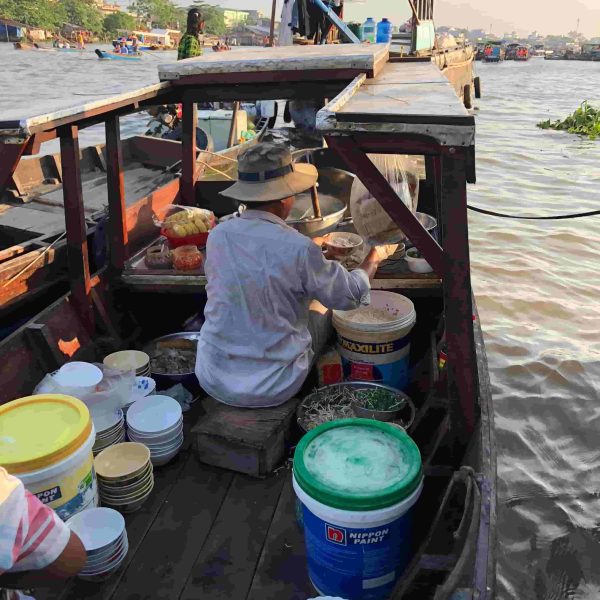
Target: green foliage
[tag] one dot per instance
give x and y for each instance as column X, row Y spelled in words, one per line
column 159, row 13
column 36, row 13
column 84, row 13
column 214, row 19
column 117, row 21
column 585, row 121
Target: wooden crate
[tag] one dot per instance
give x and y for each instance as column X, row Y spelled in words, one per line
column 246, row 440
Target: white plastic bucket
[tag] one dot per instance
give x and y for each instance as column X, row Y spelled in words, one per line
column 68, row 486
column 377, row 351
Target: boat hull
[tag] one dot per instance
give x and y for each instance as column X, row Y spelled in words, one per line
column 103, row 55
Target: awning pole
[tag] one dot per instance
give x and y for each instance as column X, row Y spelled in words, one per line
column 272, row 32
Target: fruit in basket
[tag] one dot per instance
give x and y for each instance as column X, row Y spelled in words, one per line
column 191, row 221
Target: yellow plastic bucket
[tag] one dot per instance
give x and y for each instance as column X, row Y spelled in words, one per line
column 46, row 441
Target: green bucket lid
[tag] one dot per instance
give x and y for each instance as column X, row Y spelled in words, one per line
column 358, row 464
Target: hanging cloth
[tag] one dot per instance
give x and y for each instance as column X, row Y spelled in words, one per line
column 286, row 37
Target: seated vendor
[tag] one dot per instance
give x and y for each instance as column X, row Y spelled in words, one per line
column 260, row 336
column 36, row 547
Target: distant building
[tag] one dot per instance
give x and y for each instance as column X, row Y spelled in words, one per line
column 234, row 17
column 12, row 31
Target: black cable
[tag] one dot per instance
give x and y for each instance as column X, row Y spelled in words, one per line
column 483, row 211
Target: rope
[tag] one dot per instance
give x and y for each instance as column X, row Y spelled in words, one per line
column 483, row 211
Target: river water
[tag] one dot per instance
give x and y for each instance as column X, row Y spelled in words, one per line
column 537, row 286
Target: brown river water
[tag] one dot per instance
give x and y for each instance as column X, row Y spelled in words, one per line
column 537, row 286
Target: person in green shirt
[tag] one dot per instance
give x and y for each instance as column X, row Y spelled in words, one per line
column 189, row 45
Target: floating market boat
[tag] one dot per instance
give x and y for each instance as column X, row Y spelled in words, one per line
column 207, row 531
column 522, row 54
column 33, row 249
column 104, row 55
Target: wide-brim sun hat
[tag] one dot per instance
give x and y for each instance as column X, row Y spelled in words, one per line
column 266, row 173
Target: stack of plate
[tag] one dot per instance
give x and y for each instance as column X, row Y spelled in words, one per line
column 103, row 535
column 157, row 422
column 79, row 375
column 142, row 387
column 110, row 430
column 129, row 360
column 125, row 476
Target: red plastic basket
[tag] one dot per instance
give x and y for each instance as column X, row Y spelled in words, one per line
column 198, row 239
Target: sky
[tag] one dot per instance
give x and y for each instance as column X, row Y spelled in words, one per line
column 504, row 16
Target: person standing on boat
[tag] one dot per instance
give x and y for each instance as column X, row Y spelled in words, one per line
column 190, row 45
column 262, row 329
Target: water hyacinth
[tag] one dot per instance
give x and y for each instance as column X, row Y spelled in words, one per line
column 585, row 121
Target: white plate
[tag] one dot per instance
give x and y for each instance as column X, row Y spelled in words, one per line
column 143, row 386
column 97, row 527
column 154, row 414
column 79, row 374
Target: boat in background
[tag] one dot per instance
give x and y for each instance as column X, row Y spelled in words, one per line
column 104, row 55
column 494, row 52
column 511, row 51
column 523, row 53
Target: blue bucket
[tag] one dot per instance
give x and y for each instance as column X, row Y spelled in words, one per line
column 357, row 481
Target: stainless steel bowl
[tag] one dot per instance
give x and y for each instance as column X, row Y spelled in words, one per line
column 166, row 380
column 356, row 386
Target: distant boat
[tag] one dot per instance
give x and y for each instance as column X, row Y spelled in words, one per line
column 113, row 56
column 523, row 54
column 494, row 52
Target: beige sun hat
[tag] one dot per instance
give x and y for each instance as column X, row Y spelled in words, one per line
column 266, row 173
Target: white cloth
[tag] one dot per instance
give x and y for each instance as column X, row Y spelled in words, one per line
column 255, row 347
column 286, row 36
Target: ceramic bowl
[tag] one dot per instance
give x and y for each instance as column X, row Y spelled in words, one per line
column 111, row 484
column 79, row 375
column 417, row 264
column 158, row 439
column 143, row 386
column 127, row 498
column 128, row 360
column 122, row 461
column 163, row 459
column 154, row 414
column 340, row 243
column 175, row 441
column 97, row 528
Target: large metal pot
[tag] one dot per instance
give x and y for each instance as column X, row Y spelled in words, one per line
column 167, row 380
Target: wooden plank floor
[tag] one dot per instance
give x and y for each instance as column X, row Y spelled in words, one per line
column 211, row 534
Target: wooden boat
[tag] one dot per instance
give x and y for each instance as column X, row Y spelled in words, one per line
column 209, row 532
column 522, row 54
column 511, row 51
column 104, row 55
column 32, row 220
column 456, row 62
column 494, row 52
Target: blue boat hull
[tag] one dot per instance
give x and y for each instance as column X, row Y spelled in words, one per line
column 112, row 56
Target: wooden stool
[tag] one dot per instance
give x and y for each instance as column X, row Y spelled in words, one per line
column 246, row 440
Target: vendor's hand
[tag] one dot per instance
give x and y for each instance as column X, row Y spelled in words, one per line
column 384, row 252
column 319, row 241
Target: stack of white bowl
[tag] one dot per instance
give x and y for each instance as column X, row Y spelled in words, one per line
column 104, row 537
column 129, row 360
column 142, row 387
column 157, row 422
column 82, row 376
column 125, row 476
column 110, row 430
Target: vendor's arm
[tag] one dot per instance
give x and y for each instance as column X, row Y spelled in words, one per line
column 332, row 285
column 36, row 547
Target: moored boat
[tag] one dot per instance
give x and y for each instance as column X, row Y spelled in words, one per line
column 523, row 53
column 494, row 52
column 104, row 55
column 452, row 553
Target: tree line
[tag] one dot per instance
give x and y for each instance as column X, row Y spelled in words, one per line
column 52, row 14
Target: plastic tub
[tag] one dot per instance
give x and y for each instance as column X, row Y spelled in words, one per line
column 50, row 450
column 357, row 481
column 377, row 351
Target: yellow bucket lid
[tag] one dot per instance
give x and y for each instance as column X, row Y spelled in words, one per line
column 39, row 431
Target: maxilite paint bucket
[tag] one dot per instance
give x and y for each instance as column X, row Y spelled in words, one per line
column 357, row 480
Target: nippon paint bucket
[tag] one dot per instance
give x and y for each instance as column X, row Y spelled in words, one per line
column 357, row 480
column 374, row 340
column 46, row 441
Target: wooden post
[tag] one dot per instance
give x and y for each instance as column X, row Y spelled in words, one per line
column 117, row 221
column 188, row 151
column 77, row 250
column 230, row 139
column 360, row 164
column 272, row 30
column 458, row 301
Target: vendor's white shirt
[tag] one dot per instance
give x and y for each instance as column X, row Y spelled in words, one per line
column 255, row 347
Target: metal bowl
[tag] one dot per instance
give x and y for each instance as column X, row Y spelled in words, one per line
column 166, row 380
column 356, row 386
